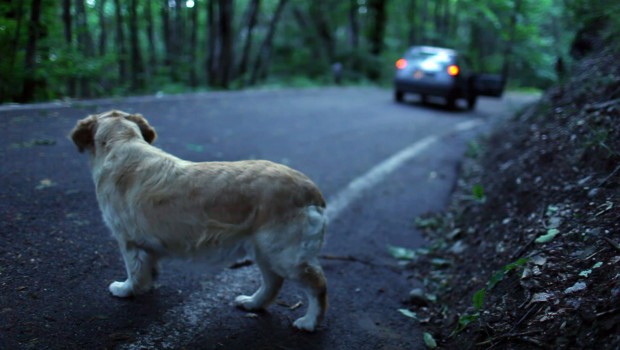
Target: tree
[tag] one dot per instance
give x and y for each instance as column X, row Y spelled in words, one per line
column 103, row 32
column 85, row 45
column 137, row 66
column 30, row 80
column 252, row 16
column 212, row 44
column 171, row 44
column 68, row 31
column 120, row 41
column 512, row 27
column 226, row 38
column 262, row 61
column 193, row 74
column 150, row 35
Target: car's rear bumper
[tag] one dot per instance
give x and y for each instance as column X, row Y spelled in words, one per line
column 425, row 88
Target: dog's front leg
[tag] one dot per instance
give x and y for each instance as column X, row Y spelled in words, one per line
column 141, row 269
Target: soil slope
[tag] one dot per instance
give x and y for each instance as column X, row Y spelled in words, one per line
column 528, row 254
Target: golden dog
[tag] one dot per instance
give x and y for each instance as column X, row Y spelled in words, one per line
column 159, row 206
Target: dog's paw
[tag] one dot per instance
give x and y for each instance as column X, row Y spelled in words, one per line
column 121, row 289
column 247, row 303
column 305, row 323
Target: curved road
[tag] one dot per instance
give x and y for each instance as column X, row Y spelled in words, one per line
column 378, row 163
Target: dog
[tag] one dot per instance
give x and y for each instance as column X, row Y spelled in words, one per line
column 159, row 206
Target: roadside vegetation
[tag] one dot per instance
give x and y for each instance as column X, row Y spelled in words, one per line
column 91, row 48
column 527, row 255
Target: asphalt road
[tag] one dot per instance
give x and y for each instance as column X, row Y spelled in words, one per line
column 378, row 163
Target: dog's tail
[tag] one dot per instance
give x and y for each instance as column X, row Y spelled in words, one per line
column 313, row 233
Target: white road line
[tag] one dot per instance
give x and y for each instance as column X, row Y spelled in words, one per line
column 184, row 322
column 378, row 173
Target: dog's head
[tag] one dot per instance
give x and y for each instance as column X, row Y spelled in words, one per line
column 96, row 130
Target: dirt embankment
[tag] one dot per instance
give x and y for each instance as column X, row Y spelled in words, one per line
column 528, row 254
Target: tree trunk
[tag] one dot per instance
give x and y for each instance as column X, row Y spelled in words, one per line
column 262, row 61
column 178, row 41
column 424, row 23
column 354, row 27
column 247, row 46
column 226, row 35
column 512, row 28
column 120, row 42
column 412, row 15
column 28, row 91
column 103, row 37
column 165, row 19
column 85, row 44
column 376, row 34
column 150, row 37
column 378, row 26
column 212, row 44
column 137, row 66
column 66, row 20
column 437, row 27
column 193, row 75
column 321, row 26
column 68, row 30
column 445, row 33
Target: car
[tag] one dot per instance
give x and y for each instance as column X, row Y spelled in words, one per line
column 442, row 72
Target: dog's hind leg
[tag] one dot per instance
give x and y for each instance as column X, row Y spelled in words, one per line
column 268, row 290
column 141, row 269
column 313, row 282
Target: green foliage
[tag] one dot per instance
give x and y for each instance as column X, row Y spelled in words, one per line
column 479, row 297
column 477, row 192
column 473, row 149
column 526, row 36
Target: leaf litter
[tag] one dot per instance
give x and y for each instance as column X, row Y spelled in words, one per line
column 546, row 188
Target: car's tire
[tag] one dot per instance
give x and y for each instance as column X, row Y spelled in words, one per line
column 399, row 96
column 471, row 102
column 451, row 103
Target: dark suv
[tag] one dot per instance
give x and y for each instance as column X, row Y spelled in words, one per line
column 435, row 71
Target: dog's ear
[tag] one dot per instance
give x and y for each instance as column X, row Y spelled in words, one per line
column 148, row 133
column 83, row 134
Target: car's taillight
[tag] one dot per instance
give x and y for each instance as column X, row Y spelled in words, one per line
column 453, row 70
column 401, row 63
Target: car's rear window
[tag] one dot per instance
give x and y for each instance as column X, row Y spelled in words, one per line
column 429, row 60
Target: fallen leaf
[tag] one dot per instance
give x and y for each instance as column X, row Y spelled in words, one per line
column 538, row 260
column 408, row 313
column 585, row 273
column 551, row 233
column 441, row 262
column 401, row 253
column 541, row 297
column 578, row 286
column 429, row 340
column 45, row 183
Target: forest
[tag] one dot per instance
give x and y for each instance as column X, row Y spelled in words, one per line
column 91, row 48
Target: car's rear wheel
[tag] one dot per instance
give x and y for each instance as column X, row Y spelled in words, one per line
column 451, row 102
column 399, row 96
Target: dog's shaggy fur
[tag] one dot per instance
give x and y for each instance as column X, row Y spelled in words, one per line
column 158, row 206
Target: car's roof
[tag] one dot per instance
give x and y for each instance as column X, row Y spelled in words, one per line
column 431, row 50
